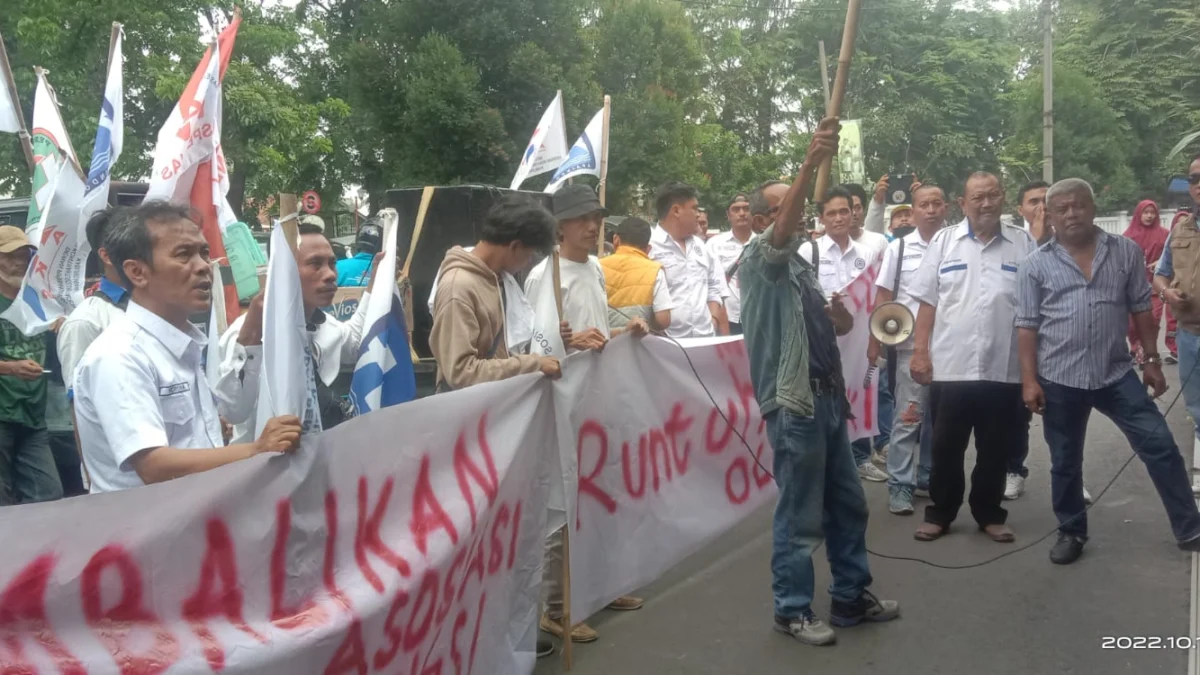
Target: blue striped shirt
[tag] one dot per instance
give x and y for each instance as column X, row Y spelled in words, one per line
column 1081, row 325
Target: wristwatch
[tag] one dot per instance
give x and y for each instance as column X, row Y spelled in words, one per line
column 1151, row 358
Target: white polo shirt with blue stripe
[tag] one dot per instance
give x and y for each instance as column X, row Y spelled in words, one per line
column 973, row 285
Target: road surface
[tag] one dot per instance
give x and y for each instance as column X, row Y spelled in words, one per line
column 712, row 614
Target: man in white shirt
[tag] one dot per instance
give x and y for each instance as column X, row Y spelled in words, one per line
column 143, row 408
column 585, row 309
column 838, row 260
column 727, row 248
column 965, row 346
column 868, row 227
column 910, row 428
column 87, row 321
column 694, row 277
column 333, row 343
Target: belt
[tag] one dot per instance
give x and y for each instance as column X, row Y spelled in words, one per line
column 823, row 385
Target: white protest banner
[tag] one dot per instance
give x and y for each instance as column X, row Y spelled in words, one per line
column 548, row 146
column 547, row 334
column 659, row 471
column 407, row 540
column 863, row 394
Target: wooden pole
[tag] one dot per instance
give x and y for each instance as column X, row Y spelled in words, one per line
column 824, row 74
column 289, row 219
column 567, row 624
column 23, row 132
column 602, row 188
column 839, row 88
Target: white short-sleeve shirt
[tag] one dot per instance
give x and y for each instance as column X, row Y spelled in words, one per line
column 584, row 296
column 837, row 268
column 694, row 279
column 973, row 287
column 914, row 252
column 727, row 249
column 141, row 385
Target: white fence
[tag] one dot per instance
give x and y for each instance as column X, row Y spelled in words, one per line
column 1117, row 224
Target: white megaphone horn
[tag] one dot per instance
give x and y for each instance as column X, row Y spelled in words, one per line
column 892, row 323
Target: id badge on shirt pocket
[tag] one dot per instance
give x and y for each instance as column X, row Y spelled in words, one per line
column 175, row 400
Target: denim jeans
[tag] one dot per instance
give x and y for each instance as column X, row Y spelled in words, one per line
column 1189, row 374
column 887, row 408
column 27, row 470
column 910, row 456
column 1127, row 404
column 820, row 497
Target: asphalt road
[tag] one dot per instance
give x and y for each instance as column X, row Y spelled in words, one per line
column 712, row 614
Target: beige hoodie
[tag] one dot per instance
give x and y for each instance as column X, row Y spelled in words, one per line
column 468, row 325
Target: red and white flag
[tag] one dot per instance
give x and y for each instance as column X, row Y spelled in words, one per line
column 189, row 163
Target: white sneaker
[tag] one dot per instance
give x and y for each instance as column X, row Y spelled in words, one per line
column 880, row 456
column 1014, row 486
column 1087, row 497
column 868, row 471
column 807, row 628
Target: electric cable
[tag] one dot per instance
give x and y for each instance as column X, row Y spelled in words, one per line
column 988, row 561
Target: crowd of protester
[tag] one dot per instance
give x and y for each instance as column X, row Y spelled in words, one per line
column 1050, row 315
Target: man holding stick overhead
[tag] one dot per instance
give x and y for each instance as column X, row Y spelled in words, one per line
column 791, row 338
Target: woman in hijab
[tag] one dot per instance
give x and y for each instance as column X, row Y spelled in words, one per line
column 1147, row 231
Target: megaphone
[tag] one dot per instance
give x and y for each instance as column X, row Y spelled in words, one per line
column 892, row 323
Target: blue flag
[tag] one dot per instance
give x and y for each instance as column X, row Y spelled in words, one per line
column 384, row 373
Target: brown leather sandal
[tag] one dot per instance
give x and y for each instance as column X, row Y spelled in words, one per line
column 999, row 533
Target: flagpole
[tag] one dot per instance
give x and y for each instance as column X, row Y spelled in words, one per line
column 23, row 133
column 568, row 651
column 849, row 32
column 602, row 188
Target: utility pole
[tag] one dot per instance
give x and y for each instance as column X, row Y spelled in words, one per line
column 1048, row 92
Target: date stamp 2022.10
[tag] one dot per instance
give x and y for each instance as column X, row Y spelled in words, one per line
column 1149, row 642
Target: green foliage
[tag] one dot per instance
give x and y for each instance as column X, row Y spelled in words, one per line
column 385, row 93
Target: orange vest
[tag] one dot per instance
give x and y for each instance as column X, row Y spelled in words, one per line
column 629, row 276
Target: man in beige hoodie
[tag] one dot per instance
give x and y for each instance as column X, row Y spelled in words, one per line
column 468, row 337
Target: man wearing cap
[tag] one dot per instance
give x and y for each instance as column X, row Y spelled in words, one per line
column 901, row 223
column 353, row 271
column 27, row 470
column 727, row 248
column 585, row 310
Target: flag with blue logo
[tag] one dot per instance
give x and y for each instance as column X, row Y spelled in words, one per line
column 548, row 146
column 584, row 158
column 384, row 374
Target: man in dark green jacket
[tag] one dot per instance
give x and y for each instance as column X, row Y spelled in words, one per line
column 791, row 338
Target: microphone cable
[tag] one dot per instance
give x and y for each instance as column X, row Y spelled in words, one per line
column 982, row 563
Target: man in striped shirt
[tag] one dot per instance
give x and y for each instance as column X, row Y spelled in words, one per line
column 1074, row 298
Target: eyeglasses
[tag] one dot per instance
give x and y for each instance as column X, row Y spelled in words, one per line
column 1194, row 179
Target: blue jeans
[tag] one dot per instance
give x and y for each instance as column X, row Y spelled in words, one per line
column 1127, row 404
column 27, row 470
column 911, row 454
column 820, row 497
column 1189, row 348
column 887, row 408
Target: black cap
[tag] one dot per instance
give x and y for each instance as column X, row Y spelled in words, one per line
column 576, row 201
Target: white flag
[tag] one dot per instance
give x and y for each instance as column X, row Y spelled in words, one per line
column 584, row 159
column 547, row 338
column 216, row 328
column 10, row 114
column 288, row 384
column 53, row 222
column 548, row 147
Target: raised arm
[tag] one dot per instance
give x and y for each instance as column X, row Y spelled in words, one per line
column 791, row 211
